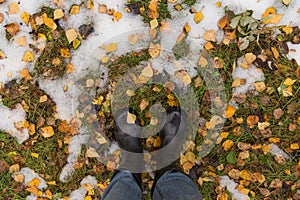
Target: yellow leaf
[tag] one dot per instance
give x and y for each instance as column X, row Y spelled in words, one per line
column 102, row 9
column 26, row 74
column 238, row 81
column 208, row 46
column 111, row 48
column 187, row 28
column 70, row 68
column 218, row 4
column 88, row 198
column 34, row 182
column 227, row 144
column 154, row 50
column 71, row 35
column 260, row 86
column 275, row 52
column 184, row 77
column 244, row 174
column 34, row 191
column 269, row 11
column 202, row 62
column 210, row 35
column 89, row 5
column 147, row 71
column 117, row 16
column 153, row 5
column 76, row 43
column 2, row 55
column 31, row 129
column 58, row 13
column 249, row 58
column 49, row 22
column 274, row 19
column 190, row 156
column 153, row 23
column 224, row 135
column 48, row 194
column 287, row 29
column 65, row 53
column 75, row 10
column 51, row 183
column 289, row 82
column 274, row 140
column 25, row 17
column 19, row 178
column 223, row 22
column 229, row 112
column 92, row 153
column 35, row 155
column 47, row 131
column 13, row 8
column 294, row 146
column 131, row 118
column 28, row 57
column 266, row 148
column 198, row 17
column 286, row 2
column 43, row 98
column 143, row 104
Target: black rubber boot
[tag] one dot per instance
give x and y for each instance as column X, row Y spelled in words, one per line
column 172, row 136
column 132, row 158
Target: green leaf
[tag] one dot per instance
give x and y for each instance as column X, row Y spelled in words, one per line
column 235, row 22
column 231, row 158
column 244, row 43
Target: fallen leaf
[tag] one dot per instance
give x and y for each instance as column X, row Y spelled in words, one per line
column 184, row 77
column 28, row 57
column 266, row 148
column 147, row 71
column 198, row 17
column 49, row 22
column 75, row 9
column 35, row 155
column 294, row 146
column 208, row 46
column 276, row 183
column 289, row 82
column 48, row 194
column 154, row 50
column 131, row 118
column 286, row 2
column 153, row 23
column 21, row 41
column 190, row 156
column 92, row 153
column 143, row 104
column 12, row 28
column 287, row 29
column 110, row 166
column 65, row 53
column 223, row 22
column 47, row 131
column 111, row 47
column 278, row 113
column 244, row 174
column 250, row 58
column 210, row 35
column 34, row 191
column 26, row 74
column 70, row 68
column 19, row 178
column 227, row 144
column 133, row 38
column 153, row 5
column 252, row 120
column 2, row 55
column 71, row 35
column 265, row 192
column 270, row 16
column 43, row 98
column 218, row 4
column 34, row 182
column 14, row 168
column 1, row 18
column 117, row 16
column 187, row 28
column 229, row 112
column 102, row 9
column 260, row 86
column 58, row 14
column 13, row 8
column 238, row 81
column 51, row 183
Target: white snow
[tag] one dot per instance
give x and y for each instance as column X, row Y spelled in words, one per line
column 231, row 187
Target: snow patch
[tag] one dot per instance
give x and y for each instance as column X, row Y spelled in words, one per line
column 231, row 187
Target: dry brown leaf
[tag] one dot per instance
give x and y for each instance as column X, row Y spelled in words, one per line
column 154, row 50
column 14, row 168
column 234, row 173
column 276, row 183
column 12, row 28
column 21, row 41
column 228, row 144
column 19, row 178
column 210, row 35
column 278, row 113
column 47, row 131
column 71, row 35
column 58, row 13
column 198, row 17
column 252, row 120
column 133, row 38
column 265, row 192
column 184, row 77
column 143, row 104
column 260, row 86
column 28, row 57
column 13, row 8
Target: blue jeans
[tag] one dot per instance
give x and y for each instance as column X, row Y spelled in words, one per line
column 170, row 186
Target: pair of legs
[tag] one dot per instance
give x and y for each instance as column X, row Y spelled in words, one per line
column 170, row 182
